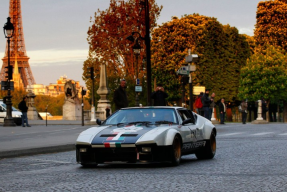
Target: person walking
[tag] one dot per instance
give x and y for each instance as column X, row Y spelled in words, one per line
column 212, row 105
column 206, row 103
column 159, row 96
column 23, row 108
column 244, row 106
column 222, row 110
column 272, row 111
column 120, row 96
column 264, row 108
column 198, row 104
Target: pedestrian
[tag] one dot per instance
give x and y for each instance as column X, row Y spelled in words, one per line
column 272, row 111
column 108, row 111
column 212, row 105
column 222, row 110
column 264, row 108
column 244, row 106
column 159, row 96
column 198, row 104
column 120, row 96
column 206, row 103
column 23, row 108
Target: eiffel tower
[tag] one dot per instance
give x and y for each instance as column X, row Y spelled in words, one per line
column 18, row 55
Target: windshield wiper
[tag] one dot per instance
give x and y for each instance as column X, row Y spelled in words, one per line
column 164, row 122
column 140, row 122
column 119, row 124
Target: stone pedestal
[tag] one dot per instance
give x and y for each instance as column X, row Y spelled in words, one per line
column 259, row 119
column 72, row 109
column 93, row 111
column 213, row 117
column 103, row 91
column 32, row 113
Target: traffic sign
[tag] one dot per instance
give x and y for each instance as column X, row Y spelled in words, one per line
column 138, row 88
column 137, row 81
column 191, row 58
column 5, row 83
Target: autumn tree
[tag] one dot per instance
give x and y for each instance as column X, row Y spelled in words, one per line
column 265, row 75
column 222, row 53
column 271, row 25
column 108, row 42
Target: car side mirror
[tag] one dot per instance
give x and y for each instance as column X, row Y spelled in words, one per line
column 189, row 120
column 99, row 122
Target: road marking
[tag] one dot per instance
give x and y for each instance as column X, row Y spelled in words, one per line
column 43, row 160
column 49, row 131
column 283, row 134
column 264, row 133
column 230, row 134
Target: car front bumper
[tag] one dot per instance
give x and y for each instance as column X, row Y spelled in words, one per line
column 87, row 155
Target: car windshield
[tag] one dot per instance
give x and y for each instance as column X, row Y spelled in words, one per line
column 5, row 107
column 145, row 115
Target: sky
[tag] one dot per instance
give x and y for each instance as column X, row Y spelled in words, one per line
column 55, row 31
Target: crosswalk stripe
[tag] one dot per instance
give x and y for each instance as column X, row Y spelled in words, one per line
column 264, row 133
column 283, row 134
column 230, row 134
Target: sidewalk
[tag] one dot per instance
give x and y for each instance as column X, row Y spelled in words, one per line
column 57, row 136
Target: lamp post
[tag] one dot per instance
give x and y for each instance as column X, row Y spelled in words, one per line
column 8, row 32
column 148, row 54
column 137, row 50
column 93, row 101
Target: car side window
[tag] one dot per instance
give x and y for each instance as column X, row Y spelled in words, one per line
column 193, row 116
column 185, row 114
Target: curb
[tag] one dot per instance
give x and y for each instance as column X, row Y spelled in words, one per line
column 37, row 151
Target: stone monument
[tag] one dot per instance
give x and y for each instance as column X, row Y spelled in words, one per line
column 72, row 107
column 103, row 91
column 32, row 113
column 259, row 119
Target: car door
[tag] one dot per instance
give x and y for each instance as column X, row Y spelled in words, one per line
column 187, row 131
column 198, row 126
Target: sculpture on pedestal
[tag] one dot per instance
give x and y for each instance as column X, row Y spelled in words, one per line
column 259, row 119
column 32, row 113
column 72, row 106
column 103, row 91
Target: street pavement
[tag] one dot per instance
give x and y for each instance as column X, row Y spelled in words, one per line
column 57, row 136
column 249, row 157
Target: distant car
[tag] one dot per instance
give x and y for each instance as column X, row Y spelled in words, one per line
column 15, row 113
column 44, row 114
column 147, row 134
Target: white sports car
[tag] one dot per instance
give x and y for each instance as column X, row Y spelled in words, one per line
column 147, row 134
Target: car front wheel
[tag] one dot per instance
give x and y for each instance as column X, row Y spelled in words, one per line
column 209, row 150
column 176, row 151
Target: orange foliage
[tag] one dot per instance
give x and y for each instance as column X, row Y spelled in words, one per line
column 271, row 26
column 110, row 28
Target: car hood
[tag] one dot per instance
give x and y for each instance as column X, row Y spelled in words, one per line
column 128, row 134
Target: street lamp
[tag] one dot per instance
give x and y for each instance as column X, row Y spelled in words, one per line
column 148, row 54
column 8, row 32
column 137, row 51
column 145, row 3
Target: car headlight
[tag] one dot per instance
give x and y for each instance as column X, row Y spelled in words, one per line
column 146, row 149
column 17, row 115
column 83, row 150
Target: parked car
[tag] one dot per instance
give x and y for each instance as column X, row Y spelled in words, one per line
column 44, row 114
column 15, row 113
column 147, row 134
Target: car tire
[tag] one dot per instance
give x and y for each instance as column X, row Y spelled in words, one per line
column 209, row 150
column 176, row 151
